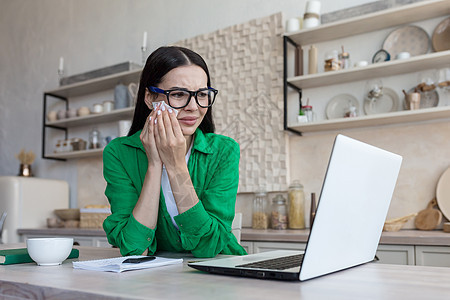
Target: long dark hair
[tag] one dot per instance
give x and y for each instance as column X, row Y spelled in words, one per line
column 158, row 64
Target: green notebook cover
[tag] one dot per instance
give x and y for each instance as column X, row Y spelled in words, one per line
column 20, row 256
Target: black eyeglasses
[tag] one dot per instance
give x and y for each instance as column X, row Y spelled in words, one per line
column 179, row 97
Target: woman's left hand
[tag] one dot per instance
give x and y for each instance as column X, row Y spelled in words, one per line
column 169, row 138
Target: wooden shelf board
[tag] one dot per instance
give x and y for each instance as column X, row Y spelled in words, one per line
column 399, row 117
column 77, row 154
column 372, row 22
column 97, row 84
column 112, row 116
column 389, row 68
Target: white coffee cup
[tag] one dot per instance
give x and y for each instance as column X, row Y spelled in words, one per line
column 97, row 108
column 313, row 6
column 292, row 25
column 403, row 55
column 310, row 22
column 108, row 106
column 361, row 63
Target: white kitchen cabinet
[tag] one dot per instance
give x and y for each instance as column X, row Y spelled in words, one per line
column 402, row 15
column 85, row 88
column 396, row 254
column 83, row 241
column 259, row 247
column 248, row 246
column 437, row 256
column 89, row 241
column 92, row 241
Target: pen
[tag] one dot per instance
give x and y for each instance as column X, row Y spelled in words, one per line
column 138, row 260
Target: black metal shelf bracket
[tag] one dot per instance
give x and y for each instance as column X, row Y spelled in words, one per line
column 286, row 85
column 45, row 126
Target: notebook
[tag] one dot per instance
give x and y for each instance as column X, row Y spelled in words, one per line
column 20, row 256
column 351, row 211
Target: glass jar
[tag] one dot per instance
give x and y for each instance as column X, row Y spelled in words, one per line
column 344, row 58
column 58, row 147
column 260, row 219
column 279, row 215
column 296, row 214
column 332, row 62
column 308, row 111
column 94, row 139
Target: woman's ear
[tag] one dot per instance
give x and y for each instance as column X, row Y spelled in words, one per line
column 148, row 99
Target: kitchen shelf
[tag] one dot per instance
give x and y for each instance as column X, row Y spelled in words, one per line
column 76, row 154
column 358, row 25
column 125, row 113
column 399, row 117
column 63, row 93
column 371, row 22
column 96, row 85
column 388, row 68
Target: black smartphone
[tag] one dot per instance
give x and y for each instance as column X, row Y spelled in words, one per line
column 138, row 260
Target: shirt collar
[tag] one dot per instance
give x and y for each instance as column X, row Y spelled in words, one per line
column 200, row 142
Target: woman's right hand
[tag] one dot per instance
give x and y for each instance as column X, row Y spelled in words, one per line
column 148, row 140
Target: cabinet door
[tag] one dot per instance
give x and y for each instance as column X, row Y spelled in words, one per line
column 396, row 254
column 270, row 246
column 101, row 242
column 248, row 246
column 83, row 241
column 436, row 256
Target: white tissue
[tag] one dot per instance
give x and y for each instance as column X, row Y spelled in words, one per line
column 155, row 105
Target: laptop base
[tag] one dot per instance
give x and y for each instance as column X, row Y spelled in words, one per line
column 260, row 274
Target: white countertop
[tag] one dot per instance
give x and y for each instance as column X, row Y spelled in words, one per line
column 369, row 281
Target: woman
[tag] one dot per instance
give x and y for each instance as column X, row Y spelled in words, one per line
column 172, row 182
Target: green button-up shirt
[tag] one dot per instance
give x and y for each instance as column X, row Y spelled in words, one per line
column 205, row 229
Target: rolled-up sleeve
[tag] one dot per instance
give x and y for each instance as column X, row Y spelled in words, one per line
column 122, row 229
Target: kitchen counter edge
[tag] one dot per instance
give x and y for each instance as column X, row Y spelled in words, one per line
column 402, row 237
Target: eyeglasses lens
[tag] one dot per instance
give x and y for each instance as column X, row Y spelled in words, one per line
column 180, row 98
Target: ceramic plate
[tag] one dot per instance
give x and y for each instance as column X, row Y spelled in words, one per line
column 441, row 36
column 410, row 39
column 339, row 105
column 443, row 193
column 427, row 99
column 386, row 103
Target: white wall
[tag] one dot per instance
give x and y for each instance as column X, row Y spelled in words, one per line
column 91, row 35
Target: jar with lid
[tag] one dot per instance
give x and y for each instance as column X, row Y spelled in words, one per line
column 66, row 146
column 94, row 139
column 296, row 215
column 307, row 110
column 260, row 219
column 332, row 62
column 58, row 147
column 279, row 215
column 344, row 58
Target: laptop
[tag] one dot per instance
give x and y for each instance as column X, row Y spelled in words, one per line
column 351, row 211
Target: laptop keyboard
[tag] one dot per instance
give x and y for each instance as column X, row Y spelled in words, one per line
column 281, row 263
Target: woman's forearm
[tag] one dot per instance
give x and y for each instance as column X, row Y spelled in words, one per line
column 146, row 209
column 182, row 188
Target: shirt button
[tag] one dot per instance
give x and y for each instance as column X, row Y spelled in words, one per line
column 149, row 239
